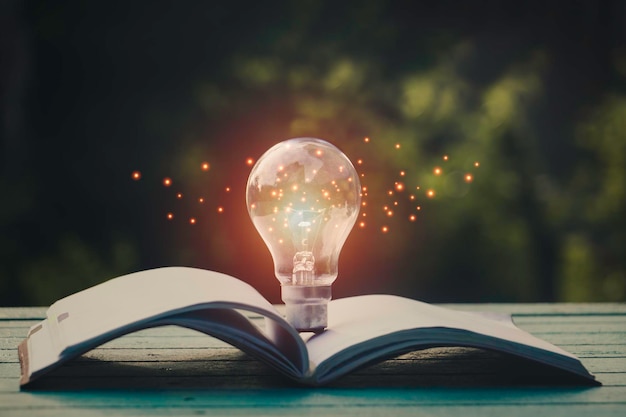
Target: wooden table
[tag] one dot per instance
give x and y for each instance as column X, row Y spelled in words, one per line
column 174, row 371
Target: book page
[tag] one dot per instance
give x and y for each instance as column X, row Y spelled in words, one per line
column 143, row 299
column 375, row 325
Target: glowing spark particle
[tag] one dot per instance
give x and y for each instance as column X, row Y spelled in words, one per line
column 402, row 173
column 227, row 189
column 249, row 162
column 385, row 208
column 252, row 206
column 399, row 186
column 363, row 203
column 200, row 200
column 395, row 203
column 205, row 166
column 270, row 229
column 364, row 214
column 281, row 168
column 179, row 196
column 280, row 241
column 437, row 171
column 419, row 208
column 318, row 152
column 445, row 157
column 273, row 193
column 397, row 146
column 192, row 220
column 364, row 188
column 295, row 187
column 136, row 175
column 476, row 164
column 220, row 209
column 417, row 188
column 390, row 192
column 411, row 197
column 469, row 178
column 384, row 229
column 359, row 162
column 362, row 225
column 167, row 181
column 430, row 193
column 389, row 213
column 362, row 175
column 412, row 217
column 366, row 140
column 169, row 216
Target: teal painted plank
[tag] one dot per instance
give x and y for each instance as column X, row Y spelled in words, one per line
column 565, row 410
column 322, row 397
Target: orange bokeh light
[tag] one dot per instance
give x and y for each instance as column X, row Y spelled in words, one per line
column 205, row 166
column 136, row 175
column 169, row 216
column 167, row 181
column 430, row 193
column 437, row 171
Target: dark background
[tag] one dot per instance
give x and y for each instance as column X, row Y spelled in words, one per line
column 534, row 91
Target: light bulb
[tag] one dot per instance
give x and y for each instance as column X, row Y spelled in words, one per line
column 303, row 196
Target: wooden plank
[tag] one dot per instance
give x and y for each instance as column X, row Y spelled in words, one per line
column 180, row 380
column 527, row 309
column 375, row 397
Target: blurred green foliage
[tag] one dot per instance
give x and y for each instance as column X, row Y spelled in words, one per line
column 523, row 89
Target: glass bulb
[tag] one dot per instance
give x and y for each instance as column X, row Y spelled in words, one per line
column 303, row 196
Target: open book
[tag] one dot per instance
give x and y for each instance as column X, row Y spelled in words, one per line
column 361, row 330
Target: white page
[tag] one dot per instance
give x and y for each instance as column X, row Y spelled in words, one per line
column 143, row 297
column 356, row 320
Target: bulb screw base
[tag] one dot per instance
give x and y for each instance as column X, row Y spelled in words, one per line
column 307, row 307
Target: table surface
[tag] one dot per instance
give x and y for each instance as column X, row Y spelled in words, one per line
column 175, row 371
